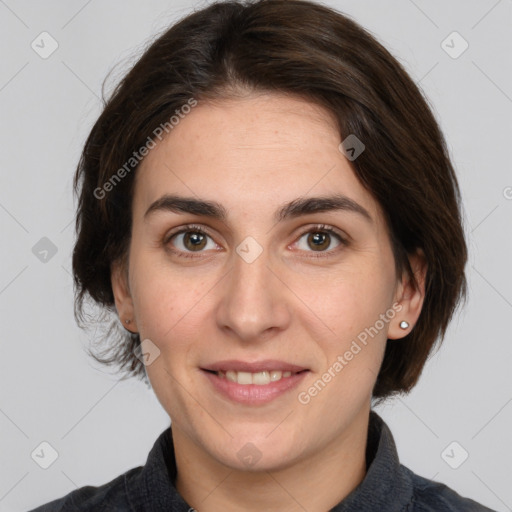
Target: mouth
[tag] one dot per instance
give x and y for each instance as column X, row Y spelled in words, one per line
column 253, row 383
column 259, row 378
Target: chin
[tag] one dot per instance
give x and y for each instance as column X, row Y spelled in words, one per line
column 257, row 452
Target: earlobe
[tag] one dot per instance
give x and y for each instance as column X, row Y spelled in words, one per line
column 122, row 296
column 410, row 295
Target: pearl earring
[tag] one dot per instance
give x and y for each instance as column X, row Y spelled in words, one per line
column 404, row 324
column 127, row 321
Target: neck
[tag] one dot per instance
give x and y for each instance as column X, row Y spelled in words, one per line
column 317, row 482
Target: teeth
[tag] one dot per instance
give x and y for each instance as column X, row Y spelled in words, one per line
column 259, row 378
column 230, row 375
column 275, row 375
column 244, row 378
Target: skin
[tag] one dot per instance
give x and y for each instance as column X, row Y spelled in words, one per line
column 253, row 154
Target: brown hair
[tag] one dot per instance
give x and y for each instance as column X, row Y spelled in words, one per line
column 307, row 50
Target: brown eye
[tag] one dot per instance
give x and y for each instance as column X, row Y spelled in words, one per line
column 321, row 239
column 190, row 240
column 318, row 241
column 194, row 241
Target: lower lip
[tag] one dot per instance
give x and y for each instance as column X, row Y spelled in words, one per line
column 254, row 394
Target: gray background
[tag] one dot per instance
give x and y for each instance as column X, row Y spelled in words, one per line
column 101, row 427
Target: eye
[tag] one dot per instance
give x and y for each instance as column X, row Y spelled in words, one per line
column 190, row 239
column 319, row 239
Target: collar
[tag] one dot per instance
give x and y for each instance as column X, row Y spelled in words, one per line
column 386, row 486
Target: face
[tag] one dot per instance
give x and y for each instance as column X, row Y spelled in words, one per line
column 254, row 306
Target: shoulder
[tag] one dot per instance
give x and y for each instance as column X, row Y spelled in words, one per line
column 103, row 498
column 431, row 496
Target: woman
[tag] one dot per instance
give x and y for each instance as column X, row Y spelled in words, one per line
column 268, row 204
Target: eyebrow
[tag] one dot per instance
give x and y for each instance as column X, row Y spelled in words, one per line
column 293, row 209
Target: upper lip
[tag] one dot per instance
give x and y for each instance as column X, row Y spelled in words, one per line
column 257, row 366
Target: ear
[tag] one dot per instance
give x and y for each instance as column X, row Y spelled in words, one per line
column 410, row 295
column 122, row 296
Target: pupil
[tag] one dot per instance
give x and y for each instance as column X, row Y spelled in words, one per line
column 319, row 237
column 195, row 238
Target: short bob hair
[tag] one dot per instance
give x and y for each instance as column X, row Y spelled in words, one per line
column 311, row 52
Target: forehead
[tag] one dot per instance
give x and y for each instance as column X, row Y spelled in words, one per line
column 251, row 154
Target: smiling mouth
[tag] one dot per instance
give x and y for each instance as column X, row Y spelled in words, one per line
column 258, row 378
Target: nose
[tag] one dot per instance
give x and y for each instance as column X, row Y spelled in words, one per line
column 254, row 301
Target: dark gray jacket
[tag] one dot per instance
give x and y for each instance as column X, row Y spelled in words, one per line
column 387, row 487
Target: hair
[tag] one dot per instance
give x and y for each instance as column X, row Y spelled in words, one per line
column 311, row 52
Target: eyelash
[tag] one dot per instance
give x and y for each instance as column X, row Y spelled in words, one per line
column 318, row 228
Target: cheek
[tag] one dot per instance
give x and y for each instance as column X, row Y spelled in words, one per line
column 169, row 302
column 349, row 301
column 158, row 299
column 354, row 348
column 351, row 306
